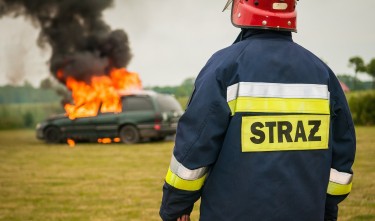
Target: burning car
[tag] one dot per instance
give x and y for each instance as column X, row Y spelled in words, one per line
column 144, row 114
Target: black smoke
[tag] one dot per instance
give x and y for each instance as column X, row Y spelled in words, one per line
column 82, row 43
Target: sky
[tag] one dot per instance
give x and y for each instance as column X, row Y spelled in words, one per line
column 172, row 40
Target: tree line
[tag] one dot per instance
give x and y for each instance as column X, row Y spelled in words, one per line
column 27, row 94
column 361, row 67
column 48, row 91
column 183, row 90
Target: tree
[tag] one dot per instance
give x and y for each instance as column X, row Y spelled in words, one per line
column 359, row 66
column 27, row 84
column 186, row 88
column 370, row 69
column 28, row 119
column 46, row 84
column 188, row 82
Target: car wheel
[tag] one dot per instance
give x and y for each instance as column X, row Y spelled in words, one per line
column 52, row 135
column 129, row 134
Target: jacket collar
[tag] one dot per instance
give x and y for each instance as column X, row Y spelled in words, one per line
column 248, row 33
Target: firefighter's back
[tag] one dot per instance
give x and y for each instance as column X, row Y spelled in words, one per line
column 275, row 162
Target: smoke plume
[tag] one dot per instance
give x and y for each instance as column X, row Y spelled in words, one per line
column 82, row 43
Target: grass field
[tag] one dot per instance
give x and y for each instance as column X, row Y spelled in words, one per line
column 117, row 182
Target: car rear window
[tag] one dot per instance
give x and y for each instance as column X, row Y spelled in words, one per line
column 168, row 103
column 135, row 103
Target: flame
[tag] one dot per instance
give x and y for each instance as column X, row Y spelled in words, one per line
column 71, row 142
column 101, row 94
column 107, row 140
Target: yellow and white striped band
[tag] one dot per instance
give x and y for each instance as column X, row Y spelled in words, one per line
column 278, row 98
column 340, row 183
column 183, row 178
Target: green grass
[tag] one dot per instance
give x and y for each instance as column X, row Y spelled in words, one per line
column 120, row 182
column 87, row 182
column 360, row 204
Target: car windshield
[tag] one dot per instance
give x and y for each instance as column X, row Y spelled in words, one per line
column 168, row 103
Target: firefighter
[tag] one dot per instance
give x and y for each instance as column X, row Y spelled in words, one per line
column 267, row 134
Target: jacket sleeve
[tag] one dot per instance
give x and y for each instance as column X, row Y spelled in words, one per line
column 200, row 134
column 343, row 144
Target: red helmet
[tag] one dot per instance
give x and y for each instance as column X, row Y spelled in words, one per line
column 264, row 14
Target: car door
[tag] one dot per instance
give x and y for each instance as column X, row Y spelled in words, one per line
column 106, row 124
column 81, row 128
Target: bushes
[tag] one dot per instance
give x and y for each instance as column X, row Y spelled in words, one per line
column 362, row 106
column 26, row 115
column 27, row 94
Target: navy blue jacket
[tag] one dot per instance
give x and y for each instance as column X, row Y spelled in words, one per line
column 267, row 135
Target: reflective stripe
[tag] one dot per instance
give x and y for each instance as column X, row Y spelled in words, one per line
column 179, row 183
column 340, row 177
column 256, row 89
column 185, row 173
column 278, row 98
column 279, row 105
column 338, row 189
column 340, row 183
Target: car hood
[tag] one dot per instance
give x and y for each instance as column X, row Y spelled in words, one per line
column 56, row 117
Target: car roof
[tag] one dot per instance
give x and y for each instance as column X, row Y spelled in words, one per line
column 137, row 92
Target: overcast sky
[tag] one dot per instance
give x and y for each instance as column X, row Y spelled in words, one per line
column 172, row 40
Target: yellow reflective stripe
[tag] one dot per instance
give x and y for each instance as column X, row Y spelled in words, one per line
column 189, row 185
column 338, row 189
column 279, row 105
column 232, row 106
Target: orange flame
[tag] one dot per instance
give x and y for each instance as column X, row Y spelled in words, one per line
column 105, row 140
column 102, row 94
column 71, row 142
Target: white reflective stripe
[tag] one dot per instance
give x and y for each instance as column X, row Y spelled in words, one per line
column 340, row 177
column 178, row 169
column 256, row 89
column 232, row 92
